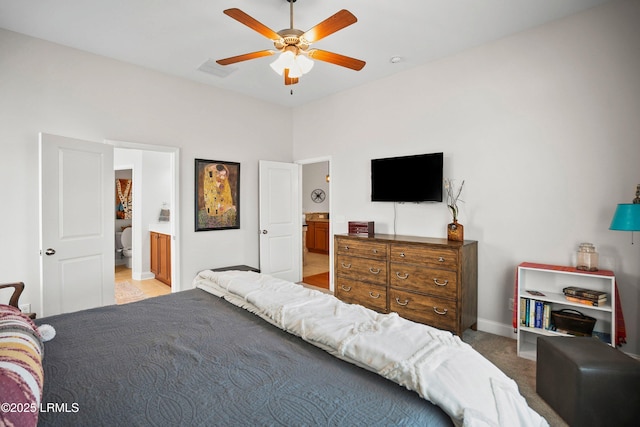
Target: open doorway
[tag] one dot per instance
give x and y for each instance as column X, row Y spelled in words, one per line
column 316, row 224
column 126, row 288
column 147, row 175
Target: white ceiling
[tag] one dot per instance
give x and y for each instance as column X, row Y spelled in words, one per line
column 177, row 37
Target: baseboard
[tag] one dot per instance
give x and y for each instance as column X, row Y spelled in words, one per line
column 143, row 276
column 496, row 328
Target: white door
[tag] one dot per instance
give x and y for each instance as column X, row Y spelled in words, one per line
column 77, row 200
column 280, row 220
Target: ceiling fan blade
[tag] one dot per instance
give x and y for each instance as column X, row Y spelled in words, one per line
column 245, row 57
column 337, row 59
column 289, row 80
column 338, row 21
column 250, row 22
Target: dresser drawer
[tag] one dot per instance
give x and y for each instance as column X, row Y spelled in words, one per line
column 359, row 248
column 362, row 269
column 425, row 255
column 437, row 312
column 441, row 283
column 368, row 295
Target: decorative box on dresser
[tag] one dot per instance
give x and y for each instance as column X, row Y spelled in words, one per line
column 427, row 280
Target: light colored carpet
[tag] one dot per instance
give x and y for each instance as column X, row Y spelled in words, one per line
column 502, row 352
column 126, row 293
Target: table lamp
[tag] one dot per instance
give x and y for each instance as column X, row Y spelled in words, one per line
column 627, row 216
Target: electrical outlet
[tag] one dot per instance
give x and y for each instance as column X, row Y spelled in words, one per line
column 510, row 307
column 25, row 308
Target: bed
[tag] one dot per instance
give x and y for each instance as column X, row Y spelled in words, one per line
column 247, row 349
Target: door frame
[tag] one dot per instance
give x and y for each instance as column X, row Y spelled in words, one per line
column 175, row 201
column 308, row 162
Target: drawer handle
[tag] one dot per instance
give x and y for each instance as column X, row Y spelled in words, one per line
column 374, row 270
column 435, row 280
column 441, row 313
column 346, row 288
column 346, row 248
column 402, row 255
column 345, row 265
column 375, row 251
column 405, row 277
column 374, row 296
column 440, row 259
column 402, row 303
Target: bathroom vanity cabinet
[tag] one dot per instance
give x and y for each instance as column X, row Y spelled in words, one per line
column 318, row 236
column 161, row 256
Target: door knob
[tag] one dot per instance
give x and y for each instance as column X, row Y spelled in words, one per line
column 264, row 231
column 50, row 251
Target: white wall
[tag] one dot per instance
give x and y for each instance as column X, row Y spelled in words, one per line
column 314, row 177
column 155, row 188
column 49, row 88
column 543, row 126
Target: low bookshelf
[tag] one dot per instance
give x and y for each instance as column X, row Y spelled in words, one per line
column 549, row 281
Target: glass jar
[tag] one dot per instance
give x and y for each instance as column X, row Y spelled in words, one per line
column 587, row 257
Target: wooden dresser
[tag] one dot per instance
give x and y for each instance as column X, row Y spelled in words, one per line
column 427, row 280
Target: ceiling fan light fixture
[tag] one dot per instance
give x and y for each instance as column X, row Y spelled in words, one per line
column 296, row 64
column 295, row 58
column 285, row 60
column 305, row 63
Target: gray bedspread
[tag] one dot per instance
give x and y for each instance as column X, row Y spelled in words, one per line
column 191, row 358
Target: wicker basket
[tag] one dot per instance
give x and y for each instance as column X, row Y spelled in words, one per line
column 572, row 322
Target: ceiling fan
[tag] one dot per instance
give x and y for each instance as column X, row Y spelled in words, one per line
column 294, row 45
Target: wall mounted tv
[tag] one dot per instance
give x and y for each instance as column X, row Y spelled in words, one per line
column 415, row 178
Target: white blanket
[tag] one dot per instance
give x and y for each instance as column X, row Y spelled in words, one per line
column 439, row 366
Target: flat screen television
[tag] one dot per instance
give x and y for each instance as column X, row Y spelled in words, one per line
column 415, row 178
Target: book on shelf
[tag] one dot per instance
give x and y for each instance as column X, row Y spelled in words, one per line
column 532, row 313
column 546, row 316
column 584, row 293
column 535, row 314
column 538, row 314
column 593, row 303
column 525, row 311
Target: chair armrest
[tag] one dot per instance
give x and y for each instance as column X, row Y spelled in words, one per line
column 18, row 288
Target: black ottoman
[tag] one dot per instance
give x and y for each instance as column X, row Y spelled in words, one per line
column 587, row 382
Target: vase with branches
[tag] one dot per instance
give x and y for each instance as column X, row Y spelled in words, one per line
column 455, row 230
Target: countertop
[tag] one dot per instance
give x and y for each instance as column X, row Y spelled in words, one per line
column 316, row 217
column 161, row 227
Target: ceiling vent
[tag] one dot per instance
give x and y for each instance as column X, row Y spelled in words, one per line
column 212, row 67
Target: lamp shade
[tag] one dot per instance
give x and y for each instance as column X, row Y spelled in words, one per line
column 626, row 218
column 297, row 64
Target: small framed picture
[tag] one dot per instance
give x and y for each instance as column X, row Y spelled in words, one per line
column 217, row 195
